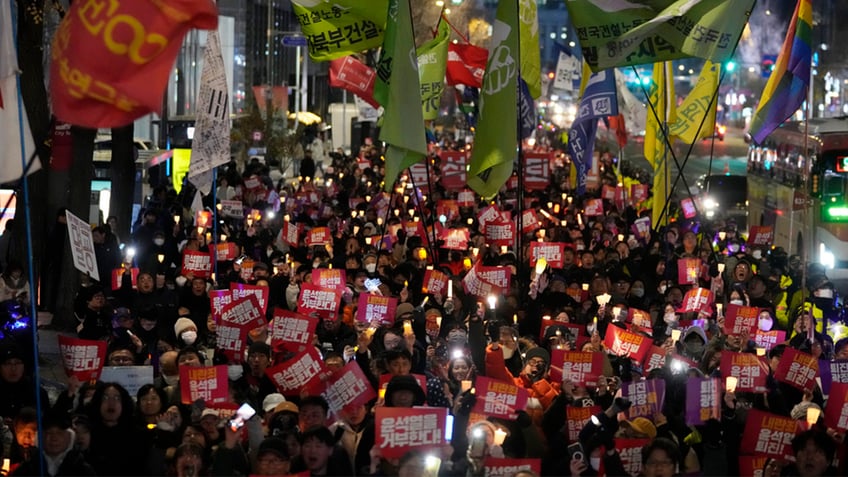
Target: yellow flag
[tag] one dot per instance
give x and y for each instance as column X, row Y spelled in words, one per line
column 531, row 63
column 663, row 99
column 696, row 106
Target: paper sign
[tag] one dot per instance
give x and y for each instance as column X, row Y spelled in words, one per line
column 835, row 371
column 290, row 233
column 331, row 278
column 292, row 375
column 292, row 328
column 639, row 318
column 246, row 271
column 196, row 264
column 630, row 452
column 622, row 342
column 319, row 236
column 500, row 233
column 638, row 193
column 647, row 397
column 495, row 467
column 82, row 358
column 224, row 251
column 738, row 319
column 760, row 235
column 231, row 340
column 435, row 282
column 551, row 251
column 244, row 313
column 703, row 400
column 499, row 399
column 836, row 409
column 768, row 339
column 654, row 359
column 398, row 429
column 455, row 239
column 500, row 276
column 749, row 369
column 203, row 218
column 578, row 367
column 373, row 308
column 82, row 247
column 466, row 198
column 242, row 290
column 232, row 208
column 218, row 299
column 488, row 214
column 752, row 465
column 768, row 434
column 348, row 388
column 132, row 378
column 322, row 301
column 208, row 383
column 454, row 175
column 695, row 299
column 474, row 284
column 797, row 369
column 537, row 170
column 594, row 207
column 448, row 208
column 118, row 278
column 529, row 221
column 688, row 270
column 577, row 417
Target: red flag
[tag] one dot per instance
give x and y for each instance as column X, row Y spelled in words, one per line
column 111, row 65
column 466, row 64
column 616, row 123
column 352, row 75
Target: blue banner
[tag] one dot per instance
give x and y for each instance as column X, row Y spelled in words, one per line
column 598, row 101
column 526, row 109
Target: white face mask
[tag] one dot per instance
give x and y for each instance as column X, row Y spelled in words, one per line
column 737, row 302
column 823, row 293
column 670, row 318
column 766, row 323
column 370, row 267
column 595, row 463
column 189, row 337
column 638, row 292
column 234, row 372
column 758, row 254
column 159, row 242
column 171, row 380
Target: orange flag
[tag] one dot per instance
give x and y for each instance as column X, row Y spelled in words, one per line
column 111, row 60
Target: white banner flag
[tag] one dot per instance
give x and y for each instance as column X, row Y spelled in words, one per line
column 211, row 143
column 82, row 248
column 567, row 76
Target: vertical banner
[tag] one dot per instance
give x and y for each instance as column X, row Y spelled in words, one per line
column 399, row 430
column 82, row 247
column 208, row 383
column 703, row 400
column 82, row 358
column 769, row 434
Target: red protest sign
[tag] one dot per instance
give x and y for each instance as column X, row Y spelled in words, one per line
column 292, row 328
column 608, row 192
column 638, row 193
column 630, row 452
column 577, row 417
column 292, row 375
column 768, row 434
column 82, row 358
column 218, row 299
column 290, row 233
column 331, row 278
column 398, row 429
column 768, row 339
column 322, row 301
column 647, row 397
column 348, row 388
column 242, row 290
column 475, row 284
column 455, row 239
column 748, row 369
column 118, row 277
column 244, row 313
column 752, row 465
column 499, row 399
column 488, row 214
column 435, row 282
column 695, row 299
column 551, row 251
column 639, row 318
column 836, row 409
column 466, row 198
column 654, row 359
column 319, row 236
column 500, row 233
column 578, row 367
column 761, row 235
column 594, row 207
column 198, row 264
column 246, row 272
column 231, row 339
column 208, row 383
column 373, row 308
column 797, row 369
column 499, row 276
column 529, row 221
column 419, row 174
column 498, row 467
column 622, row 342
column 224, row 251
column 739, row 319
column 688, row 270
column 454, row 175
column 703, row 400
column 537, row 170
column 688, row 207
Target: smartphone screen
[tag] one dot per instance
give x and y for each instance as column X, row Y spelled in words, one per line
column 244, row 413
column 575, row 452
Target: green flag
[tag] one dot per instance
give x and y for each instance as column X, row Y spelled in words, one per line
column 531, row 63
column 496, row 140
column 700, row 102
column 387, row 54
column 432, row 63
column 341, row 27
column 403, row 122
column 622, row 33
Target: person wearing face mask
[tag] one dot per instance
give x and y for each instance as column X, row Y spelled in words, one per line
column 693, row 343
column 636, row 295
column 187, row 336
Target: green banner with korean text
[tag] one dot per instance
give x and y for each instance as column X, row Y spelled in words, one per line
column 432, row 63
column 341, row 27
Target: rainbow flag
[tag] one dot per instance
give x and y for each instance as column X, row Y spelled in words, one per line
column 787, row 86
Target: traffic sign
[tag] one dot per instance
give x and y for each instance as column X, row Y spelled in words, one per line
column 294, row 40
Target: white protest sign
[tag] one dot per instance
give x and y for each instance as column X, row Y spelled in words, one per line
column 82, row 248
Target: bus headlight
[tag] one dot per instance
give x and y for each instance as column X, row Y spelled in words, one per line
column 710, row 203
column 826, row 257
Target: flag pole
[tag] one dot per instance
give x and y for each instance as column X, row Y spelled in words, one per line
column 28, row 227
column 519, row 238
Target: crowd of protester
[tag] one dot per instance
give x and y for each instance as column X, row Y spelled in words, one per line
column 164, row 319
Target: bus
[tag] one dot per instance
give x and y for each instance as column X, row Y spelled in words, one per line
column 809, row 214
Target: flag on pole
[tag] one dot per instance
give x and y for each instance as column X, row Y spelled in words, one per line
column 403, row 120
column 787, row 86
column 111, row 60
column 700, row 103
column 341, row 27
column 629, row 105
column 12, row 156
column 622, row 33
column 466, row 64
column 526, row 109
column 432, row 63
column 598, row 101
column 211, row 147
column 663, row 99
column 496, row 141
column 567, row 74
column 352, row 75
column 531, row 62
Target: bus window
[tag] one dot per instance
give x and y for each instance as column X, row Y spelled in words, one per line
column 833, row 185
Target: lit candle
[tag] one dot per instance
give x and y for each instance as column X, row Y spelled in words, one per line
column 541, row 265
column 813, row 414
column 675, row 335
column 493, row 300
column 761, row 352
column 439, row 321
column 500, row 435
column 223, row 237
column 382, row 393
column 730, row 384
column 450, row 288
column 465, row 385
column 514, row 319
column 719, row 308
column 585, row 287
column 407, row 327
column 720, row 267
column 176, row 219
column 160, row 257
